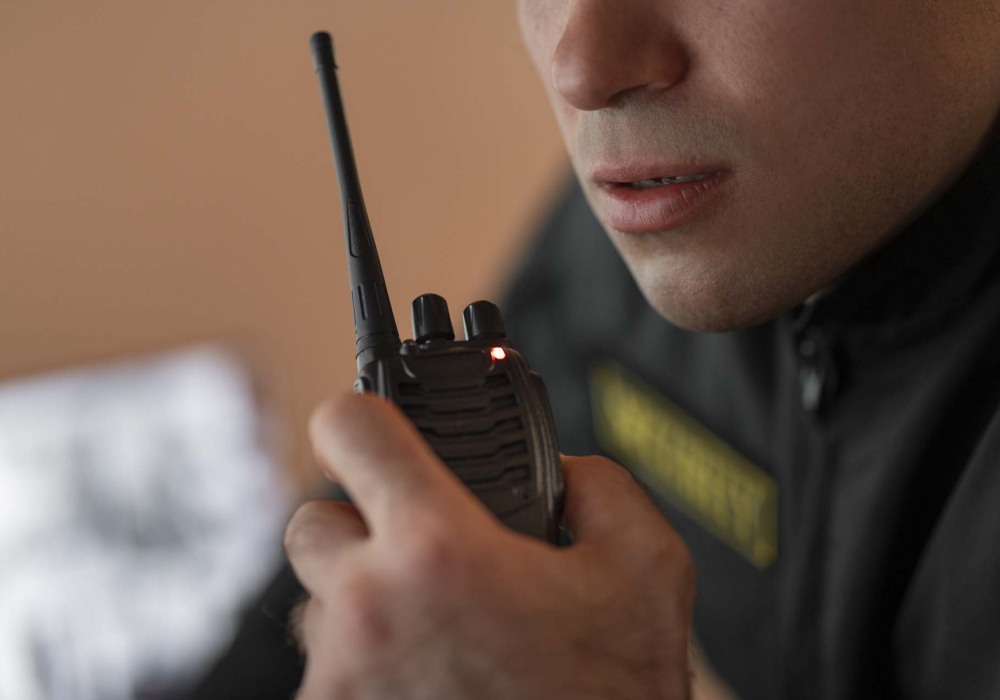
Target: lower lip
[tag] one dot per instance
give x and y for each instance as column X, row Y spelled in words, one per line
column 659, row 208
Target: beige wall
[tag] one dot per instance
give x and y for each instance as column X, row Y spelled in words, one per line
column 165, row 175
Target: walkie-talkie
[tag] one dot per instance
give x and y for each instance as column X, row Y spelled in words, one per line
column 476, row 402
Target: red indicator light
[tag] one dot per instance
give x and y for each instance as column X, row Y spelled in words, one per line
column 498, row 354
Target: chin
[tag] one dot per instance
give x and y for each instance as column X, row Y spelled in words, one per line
column 705, row 318
column 714, row 304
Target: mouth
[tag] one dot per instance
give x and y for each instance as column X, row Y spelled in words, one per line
column 646, row 177
column 679, row 180
column 646, row 199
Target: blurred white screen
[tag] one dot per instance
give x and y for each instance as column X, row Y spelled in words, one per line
column 139, row 509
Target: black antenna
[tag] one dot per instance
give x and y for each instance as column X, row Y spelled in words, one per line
column 374, row 325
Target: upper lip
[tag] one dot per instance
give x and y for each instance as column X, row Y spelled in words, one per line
column 609, row 175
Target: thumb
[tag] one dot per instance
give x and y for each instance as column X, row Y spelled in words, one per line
column 366, row 444
column 605, row 506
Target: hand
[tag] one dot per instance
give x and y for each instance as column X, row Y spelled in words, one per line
column 419, row 592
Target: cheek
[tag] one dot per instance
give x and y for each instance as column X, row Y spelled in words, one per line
column 780, row 66
column 542, row 24
column 820, row 83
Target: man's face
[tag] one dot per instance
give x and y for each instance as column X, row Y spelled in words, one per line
column 823, row 127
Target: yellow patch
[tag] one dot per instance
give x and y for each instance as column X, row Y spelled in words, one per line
column 696, row 471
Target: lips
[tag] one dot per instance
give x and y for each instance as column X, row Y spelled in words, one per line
column 651, row 198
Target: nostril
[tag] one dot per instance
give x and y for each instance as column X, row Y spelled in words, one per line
column 578, row 81
column 602, row 59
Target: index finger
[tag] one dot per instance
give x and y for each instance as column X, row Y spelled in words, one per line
column 366, row 444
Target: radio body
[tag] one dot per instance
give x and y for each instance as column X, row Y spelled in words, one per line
column 476, row 401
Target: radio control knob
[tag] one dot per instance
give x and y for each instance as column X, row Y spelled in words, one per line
column 431, row 320
column 483, row 321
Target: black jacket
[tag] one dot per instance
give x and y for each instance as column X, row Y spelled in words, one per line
column 835, row 472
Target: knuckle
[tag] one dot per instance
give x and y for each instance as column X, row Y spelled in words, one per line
column 680, row 569
column 671, row 556
column 612, row 467
column 610, row 470
column 684, row 563
column 306, row 528
column 331, row 412
column 599, row 473
column 682, row 581
column 363, row 611
column 432, row 551
column 594, row 463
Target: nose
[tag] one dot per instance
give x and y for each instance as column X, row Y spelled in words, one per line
column 611, row 49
